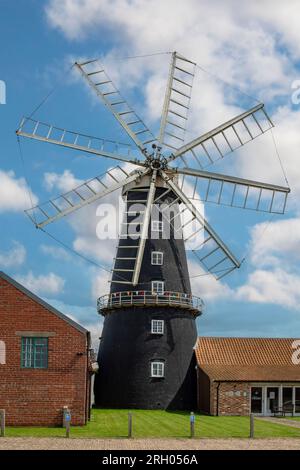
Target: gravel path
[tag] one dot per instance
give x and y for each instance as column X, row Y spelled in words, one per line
column 20, row 443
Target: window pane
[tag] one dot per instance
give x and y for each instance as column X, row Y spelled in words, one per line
column 157, row 369
column 34, row 353
column 157, row 326
column 157, row 257
column 256, row 400
column 158, row 287
column 297, row 399
column 287, row 398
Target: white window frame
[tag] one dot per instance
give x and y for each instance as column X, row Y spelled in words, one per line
column 157, row 256
column 157, row 327
column 157, row 372
column 2, row 353
column 157, row 226
column 155, row 290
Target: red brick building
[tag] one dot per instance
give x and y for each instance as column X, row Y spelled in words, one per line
column 44, row 360
column 237, row 376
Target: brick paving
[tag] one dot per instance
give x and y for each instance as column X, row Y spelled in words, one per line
column 148, row 444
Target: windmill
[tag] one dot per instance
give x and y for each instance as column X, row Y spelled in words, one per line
column 146, row 349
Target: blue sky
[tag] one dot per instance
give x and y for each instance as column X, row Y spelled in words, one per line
column 254, row 49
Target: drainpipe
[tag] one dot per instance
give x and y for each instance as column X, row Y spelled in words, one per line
column 88, row 381
column 218, row 387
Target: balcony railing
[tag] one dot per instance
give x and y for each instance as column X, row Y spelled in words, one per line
column 148, row 298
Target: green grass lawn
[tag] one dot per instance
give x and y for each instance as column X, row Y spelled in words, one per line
column 146, row 423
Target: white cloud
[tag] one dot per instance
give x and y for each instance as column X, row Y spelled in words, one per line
column 14, row 257
column 64, row 182
column 14, row 193
column 274, row 243
column 55, row 252
column 273, row 287
column 86, row 316
column 100, row 284
column 244, row 46
column 274, row 252
column 219, row 34
column 44, row 284
column 205, row 285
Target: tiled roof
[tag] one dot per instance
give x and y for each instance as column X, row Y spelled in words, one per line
column 248, row 359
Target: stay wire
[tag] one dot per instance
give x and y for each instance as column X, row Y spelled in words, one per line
column 279, row 159
column 72, row 250
column 141, row 56
column 50, row 93
column 234, row 87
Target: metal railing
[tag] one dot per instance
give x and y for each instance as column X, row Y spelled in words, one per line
column 149, row 298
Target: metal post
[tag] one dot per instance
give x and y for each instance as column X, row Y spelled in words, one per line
column 192, row 424
column 67, row 428
column 129, row 424
column 67, row 421
column 2, row 423
column 252, row 425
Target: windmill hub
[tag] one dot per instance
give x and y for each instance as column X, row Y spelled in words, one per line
column 156, row 164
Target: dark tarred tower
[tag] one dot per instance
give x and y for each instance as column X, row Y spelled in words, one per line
column 146, row 351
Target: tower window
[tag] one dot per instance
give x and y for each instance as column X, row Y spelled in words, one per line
column 157, row 369
column 157, row 327
column 157, row 226
column 157, row 258
column 34, row 353
column 158, row 287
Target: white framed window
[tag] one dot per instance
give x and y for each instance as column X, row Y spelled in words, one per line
column 157, row 258
column 157, row 369
column 157, row 327
column 158, row 287
column 157, row 226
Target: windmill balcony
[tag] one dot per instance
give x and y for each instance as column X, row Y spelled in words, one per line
column 123, row 299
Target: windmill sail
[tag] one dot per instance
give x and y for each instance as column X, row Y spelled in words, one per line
column 212, row 251
column 144, row 231
column 44, row 132
column 177, row 102
column 233, row 191
column 105, row 89
column 233, row 134
column 84, row 194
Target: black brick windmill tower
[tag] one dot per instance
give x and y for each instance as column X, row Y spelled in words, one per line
column 146, row 350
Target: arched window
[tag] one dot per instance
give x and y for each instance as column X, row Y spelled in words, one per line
column 2, row 353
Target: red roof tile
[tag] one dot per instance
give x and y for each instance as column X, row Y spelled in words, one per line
column 249, row 359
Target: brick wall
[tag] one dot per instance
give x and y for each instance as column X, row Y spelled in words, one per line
column 37, row 396
column 234, row 398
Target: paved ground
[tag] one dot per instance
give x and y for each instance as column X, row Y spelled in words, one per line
column 285, row 421
column 148, row 444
